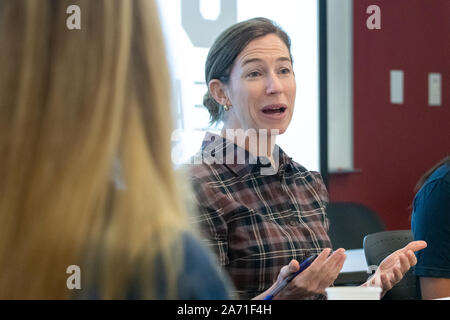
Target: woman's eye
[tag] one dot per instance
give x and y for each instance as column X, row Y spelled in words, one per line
column 254, row 74
column 285, row 71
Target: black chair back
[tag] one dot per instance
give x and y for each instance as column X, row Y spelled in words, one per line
column 350, row 223
column 377, row 247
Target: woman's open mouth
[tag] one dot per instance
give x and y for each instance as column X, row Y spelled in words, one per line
column 274, row 110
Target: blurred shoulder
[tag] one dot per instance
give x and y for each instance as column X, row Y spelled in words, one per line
column 202, row 277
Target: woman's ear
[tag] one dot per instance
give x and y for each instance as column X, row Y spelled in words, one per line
column 217, row 90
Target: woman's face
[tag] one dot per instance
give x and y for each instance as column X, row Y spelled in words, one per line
column 262, row 87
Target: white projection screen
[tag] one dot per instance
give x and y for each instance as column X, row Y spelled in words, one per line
column 190, row 27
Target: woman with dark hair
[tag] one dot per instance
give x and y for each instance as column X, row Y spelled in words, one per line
column 431, row 222
column 260, row 210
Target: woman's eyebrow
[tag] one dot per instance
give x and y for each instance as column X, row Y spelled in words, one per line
column 247, row 61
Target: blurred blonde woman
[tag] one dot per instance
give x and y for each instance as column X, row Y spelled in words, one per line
column 85, row 171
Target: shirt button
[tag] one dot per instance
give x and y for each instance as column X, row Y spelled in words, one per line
column 293, row 223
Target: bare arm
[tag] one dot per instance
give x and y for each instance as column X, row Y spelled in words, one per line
column 433, row 288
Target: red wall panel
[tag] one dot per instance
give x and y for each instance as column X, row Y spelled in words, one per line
column 395, row 144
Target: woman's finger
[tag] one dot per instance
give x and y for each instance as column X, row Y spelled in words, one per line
column 336, row 258
column 404, row 263
column 322, row 257
column 385, row 282
column 289, row 269
column 415, row 246
column 342, row 261
column 333, row 267
column 398, row 274
column 318, row 263
column 411, row 257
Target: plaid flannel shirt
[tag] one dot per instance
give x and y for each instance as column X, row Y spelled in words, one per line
column 257, row 223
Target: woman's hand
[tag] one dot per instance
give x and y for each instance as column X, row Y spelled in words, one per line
column 318, row 276
column 394, row 267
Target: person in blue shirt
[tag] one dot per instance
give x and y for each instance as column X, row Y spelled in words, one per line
column 431, row 222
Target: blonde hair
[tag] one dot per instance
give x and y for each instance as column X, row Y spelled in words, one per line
column 71, row 102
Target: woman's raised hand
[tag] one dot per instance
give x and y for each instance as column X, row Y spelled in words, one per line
column 318, row 276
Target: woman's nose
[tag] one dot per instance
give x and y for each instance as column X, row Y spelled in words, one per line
column 273, row 84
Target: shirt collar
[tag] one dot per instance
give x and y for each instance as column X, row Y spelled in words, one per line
column 217, row 149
